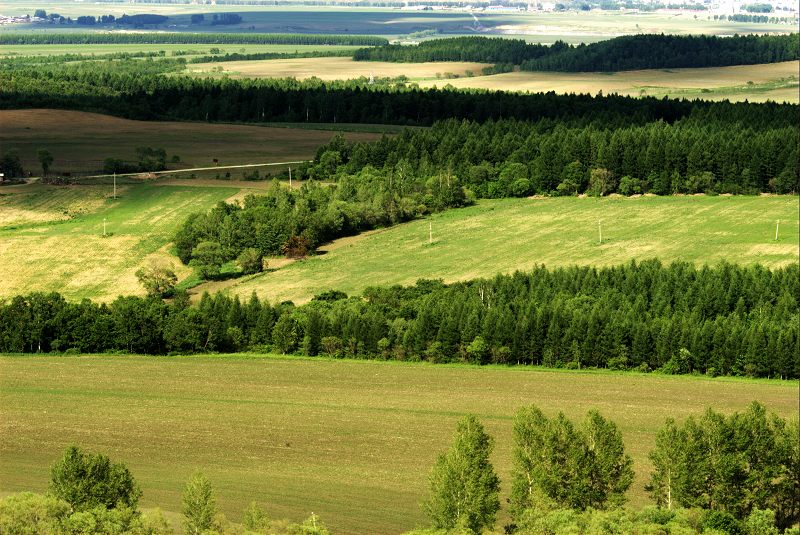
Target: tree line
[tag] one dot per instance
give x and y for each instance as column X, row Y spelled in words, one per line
column 676, row 319
column 630, row 52
column 137, row 90
column 739, row 472
column 511, row 158
column 75, row 38
column 736, row 474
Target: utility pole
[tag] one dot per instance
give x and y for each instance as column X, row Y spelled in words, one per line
column 290, row 176
column 115, row 185
column 777, row 227
column 430, row 232
column 104, row 227
column 600, row 230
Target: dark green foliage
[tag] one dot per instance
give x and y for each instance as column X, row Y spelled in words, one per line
column 731, row 465
column 137, row 90
column 465, row 489
column 636, row 316
column 632, row 52
column 89, row 480
column 622, row 53
column 512, row 158
column 11, row 165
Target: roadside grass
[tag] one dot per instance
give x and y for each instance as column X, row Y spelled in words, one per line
column 502, row 236
column 352, row 441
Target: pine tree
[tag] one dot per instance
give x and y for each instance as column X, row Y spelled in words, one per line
column 464, row 486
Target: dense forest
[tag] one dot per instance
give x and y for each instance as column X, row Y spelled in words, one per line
column 513, row 158
column 724, row 320
column 75, row 38
column 623, row 53
column 451, row 164
column 137, row 90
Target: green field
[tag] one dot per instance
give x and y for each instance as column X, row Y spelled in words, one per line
column 517, row 234
column 351, row 441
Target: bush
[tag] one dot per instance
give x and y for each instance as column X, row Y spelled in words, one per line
column 250, row 261
column 86, row 481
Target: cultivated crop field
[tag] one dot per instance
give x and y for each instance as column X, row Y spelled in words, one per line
column 351, row 441
column 501, row 236
column 80, row 141
column 756, row 83
column 186, row 50
column 336, row 69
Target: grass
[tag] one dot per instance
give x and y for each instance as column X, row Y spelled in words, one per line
column 773, row 81
column 517, row 234
column 351, row 441
column 72, row 138
column 56, row 242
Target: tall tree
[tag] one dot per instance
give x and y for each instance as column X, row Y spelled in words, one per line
column 464, row 486
column 199, row 506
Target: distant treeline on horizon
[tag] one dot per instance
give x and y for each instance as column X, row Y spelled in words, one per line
column 629, row 52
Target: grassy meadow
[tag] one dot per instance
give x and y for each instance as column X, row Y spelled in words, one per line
column 186, row 50
column 516, row 234
column 351, row 441
column 80, row 141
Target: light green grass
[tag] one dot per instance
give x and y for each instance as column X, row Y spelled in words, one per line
column 351, row 441
column 517, row 234
column 51, row 238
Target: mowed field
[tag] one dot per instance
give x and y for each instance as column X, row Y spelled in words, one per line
column 336, row 69
column 80, row 141
column 351, row 441
column 757, row 83
column 501, row 236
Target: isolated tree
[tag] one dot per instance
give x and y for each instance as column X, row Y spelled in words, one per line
column 199, row 505
column 89, row 480
column 158, row 278
column 464, row 486
column 45, row 159
column 250, row 261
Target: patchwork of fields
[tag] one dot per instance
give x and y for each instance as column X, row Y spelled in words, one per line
column 351, row 441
